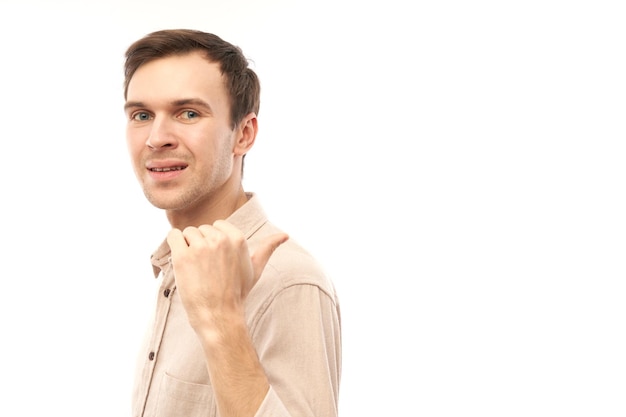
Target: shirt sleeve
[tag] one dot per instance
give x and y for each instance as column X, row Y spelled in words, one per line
column 298, row 341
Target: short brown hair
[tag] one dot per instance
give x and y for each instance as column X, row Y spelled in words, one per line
column 242, row 84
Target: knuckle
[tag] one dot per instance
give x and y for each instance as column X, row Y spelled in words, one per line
column 204, row 228
column 239, row 240
column 187, row 230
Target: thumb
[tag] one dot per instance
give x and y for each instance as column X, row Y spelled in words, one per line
column 260, row 256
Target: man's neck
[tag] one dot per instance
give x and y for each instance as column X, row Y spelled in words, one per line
column 207, row 212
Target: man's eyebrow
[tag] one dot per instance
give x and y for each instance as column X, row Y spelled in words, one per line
column 175, row 103
column 192, row 101
column 133, row 104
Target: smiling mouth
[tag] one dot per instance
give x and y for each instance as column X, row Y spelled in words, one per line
column 167, row 169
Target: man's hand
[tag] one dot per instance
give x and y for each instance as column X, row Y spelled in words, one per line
column 214, row 270
column 214, row 273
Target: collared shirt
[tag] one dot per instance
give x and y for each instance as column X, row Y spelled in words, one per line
column 293, row 317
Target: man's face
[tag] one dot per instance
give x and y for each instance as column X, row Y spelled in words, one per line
column 179, row 131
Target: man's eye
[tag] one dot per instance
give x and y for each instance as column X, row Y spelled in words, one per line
column 189, row 114
column 141, row 116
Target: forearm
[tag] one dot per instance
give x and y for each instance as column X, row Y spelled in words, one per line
column 237, row 377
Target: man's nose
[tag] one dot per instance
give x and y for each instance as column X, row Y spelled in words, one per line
column 161, row 134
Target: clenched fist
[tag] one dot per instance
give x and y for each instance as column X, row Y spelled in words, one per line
column 214, row 270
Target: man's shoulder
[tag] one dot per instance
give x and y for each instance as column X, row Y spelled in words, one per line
column 292, row 264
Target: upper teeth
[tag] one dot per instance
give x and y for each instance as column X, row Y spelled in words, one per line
column 167, row 169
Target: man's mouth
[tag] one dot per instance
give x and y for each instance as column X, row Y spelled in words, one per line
column 168, row 169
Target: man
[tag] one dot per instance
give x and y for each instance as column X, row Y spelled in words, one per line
column 246, row 323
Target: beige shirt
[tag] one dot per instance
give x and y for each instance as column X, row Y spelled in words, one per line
column 294, row 321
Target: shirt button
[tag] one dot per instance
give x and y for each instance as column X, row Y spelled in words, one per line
column 166, row 293
column 151, row 356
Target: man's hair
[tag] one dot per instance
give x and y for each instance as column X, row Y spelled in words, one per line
column 241, row 82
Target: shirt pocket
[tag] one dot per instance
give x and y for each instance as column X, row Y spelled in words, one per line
column 181, row 398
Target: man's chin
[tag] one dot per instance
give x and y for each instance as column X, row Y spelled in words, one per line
column 164, row 202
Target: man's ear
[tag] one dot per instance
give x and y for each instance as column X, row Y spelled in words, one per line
column 246, row 134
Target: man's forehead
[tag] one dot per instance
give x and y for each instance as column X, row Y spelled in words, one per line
column 181, row 74
column 190, row 60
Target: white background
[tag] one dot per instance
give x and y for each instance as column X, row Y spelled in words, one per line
column 458, row 167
